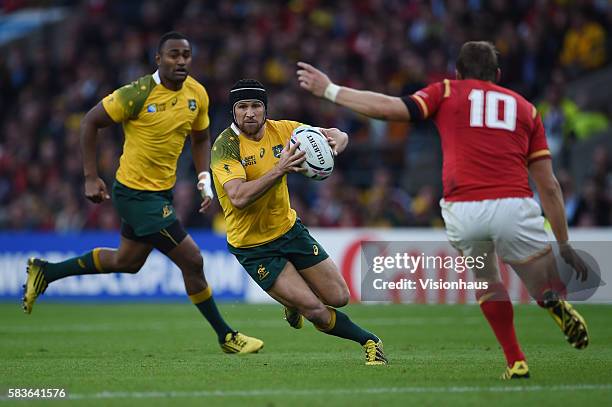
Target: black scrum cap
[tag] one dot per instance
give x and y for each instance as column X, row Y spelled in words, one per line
column 248, row 89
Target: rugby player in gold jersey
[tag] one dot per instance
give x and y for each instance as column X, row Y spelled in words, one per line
column 157, row 112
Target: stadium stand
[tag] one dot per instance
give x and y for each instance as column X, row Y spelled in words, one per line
column 553, row 53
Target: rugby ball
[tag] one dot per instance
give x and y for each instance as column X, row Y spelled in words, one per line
column 319, row 162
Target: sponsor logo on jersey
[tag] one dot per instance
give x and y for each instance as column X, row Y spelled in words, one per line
column 315, row 249
column 227, row 168
column 174, row 100
column 152, row 108
column 262, row 152
column 250, row 160
column 192, row 105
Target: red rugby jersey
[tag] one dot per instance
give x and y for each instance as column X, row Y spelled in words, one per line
column 489, row 135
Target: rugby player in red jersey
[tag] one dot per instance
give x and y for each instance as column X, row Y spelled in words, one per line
column 492, row 140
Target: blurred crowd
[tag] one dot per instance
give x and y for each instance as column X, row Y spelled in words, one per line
column 389, row 175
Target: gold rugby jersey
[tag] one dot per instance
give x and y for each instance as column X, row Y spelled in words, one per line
column 156, row 121
column 236, row 156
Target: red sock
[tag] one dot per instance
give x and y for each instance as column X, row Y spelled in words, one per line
column 497, row 308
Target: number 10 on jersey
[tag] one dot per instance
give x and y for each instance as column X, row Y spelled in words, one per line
column 485, row 108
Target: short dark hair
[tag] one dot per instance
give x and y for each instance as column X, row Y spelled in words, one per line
column 478, row 60
column 171, row 35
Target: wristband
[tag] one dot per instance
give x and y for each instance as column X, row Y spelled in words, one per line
column 331, row 92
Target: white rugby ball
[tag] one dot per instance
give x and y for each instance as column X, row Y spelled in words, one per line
column 319, row 162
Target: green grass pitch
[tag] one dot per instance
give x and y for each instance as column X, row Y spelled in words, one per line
column 166, row 354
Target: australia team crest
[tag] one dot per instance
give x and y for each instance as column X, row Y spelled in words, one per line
column 277, row 150
column 192, row 105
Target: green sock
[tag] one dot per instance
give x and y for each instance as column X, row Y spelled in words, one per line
column 205, row 302
column 76, row 266
column 340, row 325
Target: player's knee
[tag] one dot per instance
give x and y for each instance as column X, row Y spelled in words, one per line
column 193, row 264
column 315, row 312
column 340, row 298
column 337, row 295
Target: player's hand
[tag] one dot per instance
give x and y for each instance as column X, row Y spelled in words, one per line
column 95, row 190
column 205, row 204
column 311, row 79
column 205, row 187
column 574, row 261
column 291, row 159
column 331, row 140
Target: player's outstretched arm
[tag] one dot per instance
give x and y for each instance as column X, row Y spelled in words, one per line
column 242, row 193
column 551, row 198
column 96, row 118
column 372, row 104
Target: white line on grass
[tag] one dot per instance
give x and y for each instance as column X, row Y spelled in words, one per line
column 331, row 392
